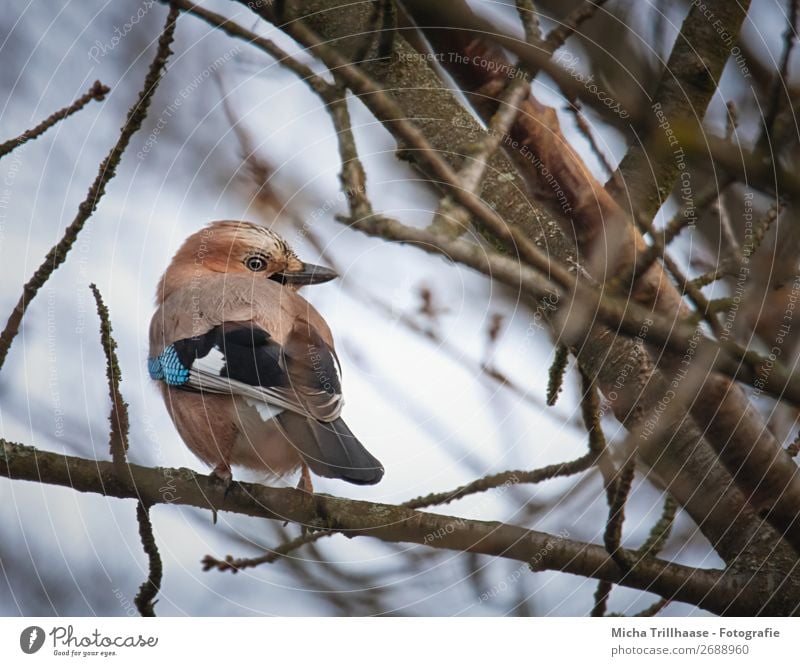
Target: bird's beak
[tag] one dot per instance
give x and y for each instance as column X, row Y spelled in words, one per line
column 308, row 274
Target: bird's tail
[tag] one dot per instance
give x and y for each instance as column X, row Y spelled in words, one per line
column 331, row 450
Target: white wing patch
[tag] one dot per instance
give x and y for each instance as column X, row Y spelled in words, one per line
column 212, row 363
column 266, row 411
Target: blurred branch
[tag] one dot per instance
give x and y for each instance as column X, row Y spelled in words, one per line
column 272, row 555
column 781, row 79
column 618, row 491
column 454, row 220
column 729, row 266
column 561, row 33
column 108, row 168
column 529, row 17
column 590, row 410
column 716, row 591
column 688, row 83
column 97, row 92
column 456, row 17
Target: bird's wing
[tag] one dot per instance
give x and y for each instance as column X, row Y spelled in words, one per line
column 301, row 375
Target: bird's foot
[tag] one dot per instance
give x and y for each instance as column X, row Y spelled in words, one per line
column 221, row 475
column 307, row 486
column 304, row 483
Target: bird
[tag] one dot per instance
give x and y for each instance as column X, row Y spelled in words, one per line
column 247, row 367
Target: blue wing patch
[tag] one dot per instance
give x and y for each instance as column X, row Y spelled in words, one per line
column 168, row 367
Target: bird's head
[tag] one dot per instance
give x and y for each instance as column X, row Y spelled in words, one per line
column 240, row 248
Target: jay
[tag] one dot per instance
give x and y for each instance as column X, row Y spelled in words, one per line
column 246, row 366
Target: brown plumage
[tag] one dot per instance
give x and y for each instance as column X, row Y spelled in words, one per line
column 246, row 366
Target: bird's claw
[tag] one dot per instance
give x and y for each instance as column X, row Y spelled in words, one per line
column 221, row 475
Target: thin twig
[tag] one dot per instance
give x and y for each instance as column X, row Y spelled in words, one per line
column 108, row 168
column 586, row 131
column 556, row 374
column 601, row 595
column 661, row 530
column 235, row 565
column 120, row 423
column 505, row 479
column 149, row 589
column 612, row 538
column 731, row 120
column 529, row 17
column 762, row 228
column 590, row 410
column 654, row 609
column 353, row 176
column 781, row 78
column 751, row 245
column 726, row 227
column 689, row 215
column 451, row 219
column 560, row 34
column 97, row 92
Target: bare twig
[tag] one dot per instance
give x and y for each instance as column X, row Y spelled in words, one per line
column 505, row 479
column 731, row 265
column 556, row 374
column 120, row 423
column 590, row 410
column 108, row 168
column 616, row 515
column 601, row 595
column 661, row 530
column 559, row 35
column 781, row 78
column 586, row 130
column 654, row 609
column 149, row 589
column 453, row 220
column 762, row 228
column 97, row 92
column 237, row 564
column 529, row 17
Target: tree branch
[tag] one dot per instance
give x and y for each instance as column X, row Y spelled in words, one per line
column 97, row 92
column 688, row 83
column 108, row 169
column 712, row 590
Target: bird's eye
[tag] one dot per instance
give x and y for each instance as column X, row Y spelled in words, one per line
column 255, row 263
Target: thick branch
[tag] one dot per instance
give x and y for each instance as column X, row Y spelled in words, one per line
column 709, row 589
column 649, row 170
